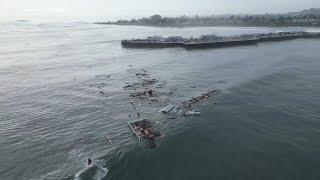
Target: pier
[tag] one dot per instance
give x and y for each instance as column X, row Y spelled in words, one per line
column 213, row 41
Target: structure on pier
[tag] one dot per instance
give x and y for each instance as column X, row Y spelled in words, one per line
column 213, row 41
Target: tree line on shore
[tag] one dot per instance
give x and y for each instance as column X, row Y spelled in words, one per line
column 310, row 17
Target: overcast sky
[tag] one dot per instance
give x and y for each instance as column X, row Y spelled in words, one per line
column 137, row 8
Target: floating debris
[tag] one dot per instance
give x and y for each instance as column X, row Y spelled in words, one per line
column 192, row 113
column 103, row 76
column 139, row 94
column 142, row 74
column 143, row 94
column 144, row 83
column 144, row 131
column 167, row 109
column 149, row 81
column 108, row 139
column 204, row 96
column 154, row 100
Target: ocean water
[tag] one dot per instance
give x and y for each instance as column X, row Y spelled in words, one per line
column 265, row 123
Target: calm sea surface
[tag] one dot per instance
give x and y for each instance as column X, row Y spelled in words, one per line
column 61, row 93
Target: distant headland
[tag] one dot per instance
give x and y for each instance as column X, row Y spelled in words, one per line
column 305, row 18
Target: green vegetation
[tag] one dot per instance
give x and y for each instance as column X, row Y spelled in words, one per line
column 310, row 17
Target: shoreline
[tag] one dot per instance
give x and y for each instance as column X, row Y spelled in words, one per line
column 199, row 26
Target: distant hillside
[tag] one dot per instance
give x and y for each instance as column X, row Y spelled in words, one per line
column 309, row 17
column 315, row 11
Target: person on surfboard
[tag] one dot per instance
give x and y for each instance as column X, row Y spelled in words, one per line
column 89, row 161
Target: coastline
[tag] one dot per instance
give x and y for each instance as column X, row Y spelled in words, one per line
column 199, row 26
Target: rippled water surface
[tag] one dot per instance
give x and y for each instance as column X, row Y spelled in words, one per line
column 53, row 115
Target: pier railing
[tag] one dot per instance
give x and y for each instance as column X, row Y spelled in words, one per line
column 134, row 131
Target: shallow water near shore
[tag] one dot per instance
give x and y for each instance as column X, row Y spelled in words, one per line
column 263, row 125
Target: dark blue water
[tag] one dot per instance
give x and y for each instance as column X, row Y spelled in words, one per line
column 264, row 125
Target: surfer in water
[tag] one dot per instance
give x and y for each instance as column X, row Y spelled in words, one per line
column 89, row 162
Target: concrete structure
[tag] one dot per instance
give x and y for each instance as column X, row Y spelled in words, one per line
column 212, row 41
